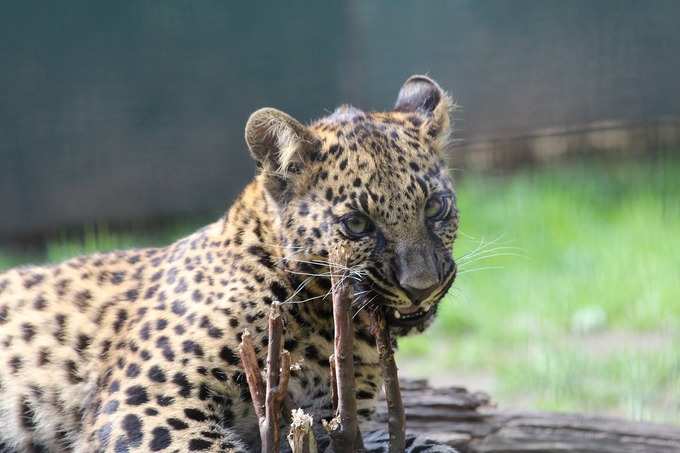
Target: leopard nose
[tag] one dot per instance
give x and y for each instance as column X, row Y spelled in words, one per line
column 417, row 295
column 416, row 271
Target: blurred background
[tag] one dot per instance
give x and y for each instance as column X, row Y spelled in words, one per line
column 121, row 125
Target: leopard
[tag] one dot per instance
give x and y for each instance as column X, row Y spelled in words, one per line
column 138, row 350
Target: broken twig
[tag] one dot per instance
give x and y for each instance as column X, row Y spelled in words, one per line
column 301, row 436
column 268, row 402
column 344, row 429
column 396, row 421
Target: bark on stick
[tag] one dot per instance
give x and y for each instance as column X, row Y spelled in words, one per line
column 345, row 436
column 301, row 436
column 396, row 421
column 268, row 401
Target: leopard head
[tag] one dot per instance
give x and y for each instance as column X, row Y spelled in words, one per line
column 374, row 186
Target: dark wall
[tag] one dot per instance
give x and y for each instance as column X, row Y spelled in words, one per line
column 516, row 66
column 120, row 110
column 112, row 111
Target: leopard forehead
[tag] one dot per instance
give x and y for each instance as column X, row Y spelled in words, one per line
column 383, row 164
column 381, row 137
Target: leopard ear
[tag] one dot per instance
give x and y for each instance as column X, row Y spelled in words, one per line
column 277, row 141
column 420, row 94
column 280, row 145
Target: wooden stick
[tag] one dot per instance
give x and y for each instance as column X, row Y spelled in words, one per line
column 334, row 423
column 268, row 402
column 334, row 383
column 344, row 435
column 396, row 421
column 253, row 375
column 278, row 369
column 301, row 436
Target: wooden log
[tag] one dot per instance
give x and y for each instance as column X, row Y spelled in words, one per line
column 468, row 422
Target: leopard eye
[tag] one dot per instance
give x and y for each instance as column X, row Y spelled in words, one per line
column 357, row 225
column 437, row 207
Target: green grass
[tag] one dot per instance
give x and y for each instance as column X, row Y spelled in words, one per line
column 568, row 298
column 577, row 303
column 101, row 239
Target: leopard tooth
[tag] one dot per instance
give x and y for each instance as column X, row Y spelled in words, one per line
column 397, row 314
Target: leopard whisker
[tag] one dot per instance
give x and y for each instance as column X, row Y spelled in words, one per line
column 483, row 244
column 464, row 264
column 487, row 251
column 321, row 263
column 300, row 287
column 477, row 269
column 320, row 274
column 364, row 306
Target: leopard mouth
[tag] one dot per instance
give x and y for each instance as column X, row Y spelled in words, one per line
column 408, row 318
column 411, row 317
